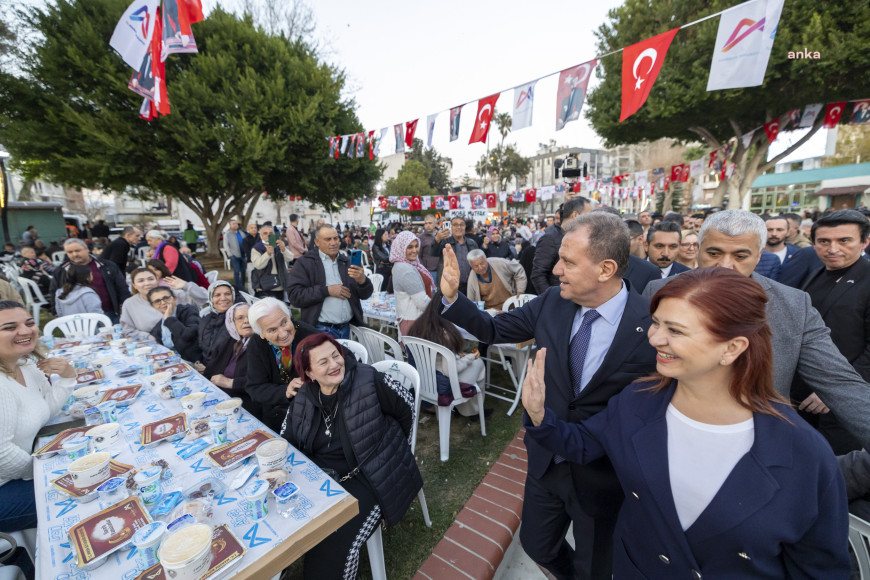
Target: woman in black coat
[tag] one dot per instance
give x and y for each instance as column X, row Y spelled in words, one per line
column 381, row 256
column 212, row 327
column 179, row 326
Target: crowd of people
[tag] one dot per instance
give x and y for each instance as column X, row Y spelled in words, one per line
column 702, row 445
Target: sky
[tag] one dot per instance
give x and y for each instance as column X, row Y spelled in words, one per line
column 406, row 60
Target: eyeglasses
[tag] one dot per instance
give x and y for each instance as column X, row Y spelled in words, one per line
column 164, row 300
column 688, row 245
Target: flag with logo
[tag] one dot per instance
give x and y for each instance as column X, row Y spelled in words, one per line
column 404, row 203
column 394, row 201
column 410, row 129
column 771, row 128
column 430, row 129
column 810, row 114
column 399, row 130
column 453, row 201
column 465, row 201
column 344, row 141
column 482, row 121
column 490, row 200
column 743, row 45
column 518, row 197
column 502, row 196
column 571, row 92
column 426, row 202
column 454, row 122
column 134, row 31
column 641, row 178
column 641, row 63
column 524, row 96
column 150, row 79
column 833, row 114
column 860, row 113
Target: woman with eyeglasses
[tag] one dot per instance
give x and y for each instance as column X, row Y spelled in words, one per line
column 688, row 253
column 178, row 326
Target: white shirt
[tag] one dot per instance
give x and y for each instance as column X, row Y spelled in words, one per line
column 781, row 254
column 667, row 271
column 700, row 458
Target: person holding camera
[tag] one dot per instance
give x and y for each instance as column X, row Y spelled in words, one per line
column 270, row 269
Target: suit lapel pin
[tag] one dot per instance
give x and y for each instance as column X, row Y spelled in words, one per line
column 639, row 329
column 850, row 281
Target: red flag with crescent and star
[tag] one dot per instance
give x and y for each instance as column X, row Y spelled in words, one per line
column 680, row 173
column 416, row 202
column 772, row 130
column 490, row 200
column 384, row 202
column 485, row 107
column 410, row 129
column 833, row 114
column 453, row 200
column 571, row 92
column 531, row 195
column 641, row 64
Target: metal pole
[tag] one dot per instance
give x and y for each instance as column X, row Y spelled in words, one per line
column 4, row 194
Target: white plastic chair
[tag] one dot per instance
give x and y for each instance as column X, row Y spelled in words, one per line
column 77, row 324
column 366, row 270
column 375, row 549
column 358, row 350
column 211, row 276
column 226, row 257
column 365, row 261
column 142, row 255
column 377, row 281
column 514, row 301
column 32, row 295
column 859, row 534
column 425, row 355
column 376, row 343
column 410, row 379
column 248, row 298
column 58, row 257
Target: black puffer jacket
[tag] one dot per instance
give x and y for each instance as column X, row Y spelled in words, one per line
column 374, row 421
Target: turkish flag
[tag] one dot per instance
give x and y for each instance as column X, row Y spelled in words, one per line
column 641, row 64
column 576, row 187
column 371, row 140
column 490, row 200
column 410, row 129
column 680, row 173
column 350, row 204
column 384, row 202
column 485, row 108
column 453, row 200
column 833, row 114
column 416, row 202
column 772, row 129
column 531, row 195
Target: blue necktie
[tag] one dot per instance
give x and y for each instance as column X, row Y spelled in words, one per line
column 577, row 356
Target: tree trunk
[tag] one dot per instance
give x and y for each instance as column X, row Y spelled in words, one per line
column 668, row 205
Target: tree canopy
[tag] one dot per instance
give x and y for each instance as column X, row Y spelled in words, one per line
column 412, row 179
column 251, row 113
column 437, row 166
column 679, row 105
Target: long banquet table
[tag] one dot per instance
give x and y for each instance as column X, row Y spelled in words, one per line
column 271, row 544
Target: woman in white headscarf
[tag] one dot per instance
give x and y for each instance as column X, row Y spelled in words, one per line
column 212, row 327
column 412, row 282
column 229, row 366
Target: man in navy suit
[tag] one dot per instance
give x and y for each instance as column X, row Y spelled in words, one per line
column 777, row 231
column 593, row 302
column 663, row 247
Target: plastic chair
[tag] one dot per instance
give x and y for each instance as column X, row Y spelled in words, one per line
column 514, row 301
column 211, row 276
column 365, row 261
column 58, row 257
column 77, row 324
column 366, row 270
column 425, row 356
column 859, row 534
column 377, row 281
column 248, row 298
column 358, row 350
column 32, row 295
column 142, row 255
column 410, row 379
column 376, row 344
column 226, row 257
column 375, row 549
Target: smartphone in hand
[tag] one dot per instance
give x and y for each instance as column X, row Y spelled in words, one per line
column 356, row 258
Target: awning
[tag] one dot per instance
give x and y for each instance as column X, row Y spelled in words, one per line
column 851, row 190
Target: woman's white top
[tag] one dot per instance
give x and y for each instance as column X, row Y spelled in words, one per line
column 700, row 458
column 411, row 298
column 23, row 412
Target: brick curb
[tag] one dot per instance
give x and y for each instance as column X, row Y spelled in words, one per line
column 475, row 544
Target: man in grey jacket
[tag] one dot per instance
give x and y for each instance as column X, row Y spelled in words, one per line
column 801, row 342
column 233, row 247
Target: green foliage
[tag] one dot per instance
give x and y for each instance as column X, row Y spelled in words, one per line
column 503, row 163
column 250, row 113
column 7, row 38
column 413, row 179
column 439, row 172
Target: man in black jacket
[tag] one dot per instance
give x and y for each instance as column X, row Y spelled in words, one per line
column 107, row 280
column 326, row 288
column 118, row 251
column 180, row 324
column 547, row 248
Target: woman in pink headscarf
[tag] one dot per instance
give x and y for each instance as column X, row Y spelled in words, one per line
column 412, row 282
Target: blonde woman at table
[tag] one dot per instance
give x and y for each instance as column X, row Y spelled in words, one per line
column 27, row 401
column 137, row 315
column 412, row 282
column 353, row 422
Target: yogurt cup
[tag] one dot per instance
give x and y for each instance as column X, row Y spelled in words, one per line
column 77, row 448
column 88, row 395
column 255, row 495
column 147, row 540
column 107, row 410
column 112, row 491
column 148, row 485
column 185, row 554
column 229, row 408
column 105, row 435
column 272, row 454
column 142, row 351
column 159, row 380
column 192, row 404
column 90, row 470
column 218, row 427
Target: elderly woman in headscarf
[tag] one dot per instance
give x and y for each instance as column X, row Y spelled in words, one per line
column 494, row 247
column 212, row 326
column 168, row 254
column 229, row 366
column 412, row 282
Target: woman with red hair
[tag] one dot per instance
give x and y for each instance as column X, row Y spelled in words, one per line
column 722, row 479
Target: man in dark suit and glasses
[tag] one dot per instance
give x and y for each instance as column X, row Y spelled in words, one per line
column 840, row 291
column 577, row 322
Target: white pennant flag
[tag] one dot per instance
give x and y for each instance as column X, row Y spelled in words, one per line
column 743, row 45
column 430, row 129
column 426, row 202
column 465, row 201
column 810, row 114
column 132, row 35
column 502, row 195
column 696, row 167
column 641, row 178
column 378, row 141
column 747, row 139
column 344, row 140
column 524, row 100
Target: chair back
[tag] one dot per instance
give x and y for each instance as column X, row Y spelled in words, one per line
column 32, row 295
column 365, row 261
column 211, row 276
column 248, row 298
column 226, row 257
column 410, row 379
column 77, row 324
column 514, row 301
column 358, row 350
column 377, row 281
column 142, row 254
column 366, row 270
column 859, row 534
column 425, row 355
column 58, row 257
column 377, row 344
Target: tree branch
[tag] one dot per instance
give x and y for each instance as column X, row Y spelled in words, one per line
column 706, row 136
column 815, row 128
